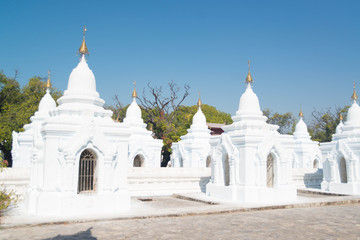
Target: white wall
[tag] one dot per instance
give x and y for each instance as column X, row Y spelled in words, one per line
column 161, row 181
column 307, row 177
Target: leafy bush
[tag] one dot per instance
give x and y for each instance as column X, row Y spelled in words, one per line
column 6, row 198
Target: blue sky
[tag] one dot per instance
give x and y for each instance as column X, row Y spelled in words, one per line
column 302, row 52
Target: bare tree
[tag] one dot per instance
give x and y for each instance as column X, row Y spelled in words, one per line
column 160, row 108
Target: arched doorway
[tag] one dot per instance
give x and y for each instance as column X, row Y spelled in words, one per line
column 138, row 161
column 208, row 161
column 87, row 171
column 342, row 169
column 270, row 171
column 226, row 171
column 316, row 164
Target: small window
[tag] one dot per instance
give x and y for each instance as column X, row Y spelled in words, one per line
column 87, row 172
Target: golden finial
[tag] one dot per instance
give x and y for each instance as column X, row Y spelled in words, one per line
column 248, row 77
column 341, row 117
column 83, row 48
column 48, row 83
column 354, row 96
column 301, row 113
column 134, row 93
column 199, row 103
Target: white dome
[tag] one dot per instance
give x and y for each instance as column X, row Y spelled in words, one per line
column 82, row 80
column 46, row 103
column 338, row 128
column 301, row 127
column 353, row 116
column 133, row 112
column 249, row 102
column 199, row 118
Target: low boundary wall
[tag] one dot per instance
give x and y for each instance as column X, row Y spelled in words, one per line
column 167, row 181
column 16, row 179
column 159, row 181
column 307, row 177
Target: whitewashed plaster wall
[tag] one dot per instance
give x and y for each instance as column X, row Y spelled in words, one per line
column 159, row 181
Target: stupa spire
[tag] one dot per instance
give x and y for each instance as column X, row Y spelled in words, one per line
column 301, row 113
column 134, row 93
column 354, row 96
column 83, row 50
column 249, row 79
column 341, row 117
column 199, row 103
column 48, row 82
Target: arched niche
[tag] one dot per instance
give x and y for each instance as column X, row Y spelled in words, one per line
column 342, row 170
column 208, row 161
column 138, row 161
column 87, row 171
column 270, row 176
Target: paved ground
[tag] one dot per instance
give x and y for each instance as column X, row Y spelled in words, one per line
column 327, row 222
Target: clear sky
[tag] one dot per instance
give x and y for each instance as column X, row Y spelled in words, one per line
column 302, row 52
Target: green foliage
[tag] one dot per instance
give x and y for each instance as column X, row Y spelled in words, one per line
column 17, row 106
column 324, row 123
column 286, row 121
column 2, row 164
column 6, row 198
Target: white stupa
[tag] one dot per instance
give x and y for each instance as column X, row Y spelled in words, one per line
column 79, row 165
column 144, row 150
column 193, row 150
column 251, row 161
column 341, row 156
column 339, row 127
column 306, row 152
column 25, row 144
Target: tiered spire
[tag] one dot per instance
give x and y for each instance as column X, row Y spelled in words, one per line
column 354, row 96
column 341, row 117
column 249, row 79
column 134, row 93
column 199, row 103
column 301, row 113
column 83, row 50
column 48, row 82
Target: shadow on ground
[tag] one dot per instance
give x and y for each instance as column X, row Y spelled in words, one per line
column 80, row 235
